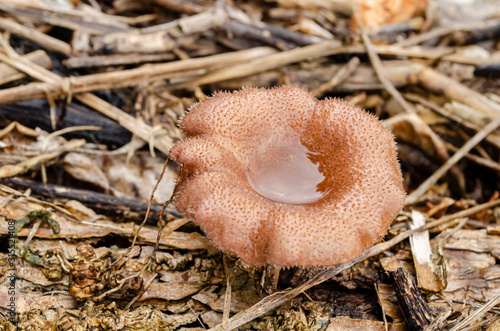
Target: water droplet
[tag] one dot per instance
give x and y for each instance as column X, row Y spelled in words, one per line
column 282, row 171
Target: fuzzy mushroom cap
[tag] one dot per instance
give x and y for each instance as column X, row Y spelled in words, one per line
column 276, row 176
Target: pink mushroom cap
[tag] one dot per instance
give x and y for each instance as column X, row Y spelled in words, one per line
column 277, row 176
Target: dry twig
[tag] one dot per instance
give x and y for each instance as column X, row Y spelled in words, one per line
column 466, row 148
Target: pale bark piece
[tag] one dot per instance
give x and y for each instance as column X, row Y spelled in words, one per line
column 349, row 324
column 471, row 257
column 431, row 271
column 31, row 300
column 102, row 228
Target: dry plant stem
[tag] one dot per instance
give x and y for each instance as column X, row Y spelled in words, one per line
column 265, row 63
column 466, row 148
column 484, row 323
column 82, row 20
column 9, row 74
column 161, row 226
column 275, row 31
column 492, row 138
column 339, row 77
column 196, row 67
column 19, row 127
column 68, row 130
column 477, row 314
column 90, row 20
column 59, row 209
column 65, row 265
column 466, row 59
column 35, row 36
column 458, row 92
column 118, row 261
column 180, row 6
column 438, row 322
column 441, row 31
column 22, row 167
column 479, row 160
column 196, row 315
column 227, row 297
column 152, row 256
column 162, row 141
column 123, row 78
column 344, row 7
column 197, row 23
column 32, row 233
column 473, row 304
column 137, row 297
column 247, row 31
column 276, row 299
column 431, row 12
column 114, row 59
column 377, row 66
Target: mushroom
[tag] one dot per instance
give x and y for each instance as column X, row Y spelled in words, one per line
column 277, row 176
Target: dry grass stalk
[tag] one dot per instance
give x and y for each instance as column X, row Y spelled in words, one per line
column 9, row 74
column 466, row 148
column 117, row 79
column 377, row 66
column 155, row 137
column 40, row 38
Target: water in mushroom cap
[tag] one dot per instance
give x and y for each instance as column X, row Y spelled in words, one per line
column 283, row 171
column 276, row 176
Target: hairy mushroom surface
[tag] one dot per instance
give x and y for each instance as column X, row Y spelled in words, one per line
column 277, row 176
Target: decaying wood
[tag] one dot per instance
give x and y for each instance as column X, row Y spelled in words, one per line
column 414, row 307
column 100, row 228
column 35, row 114
column 101, row 203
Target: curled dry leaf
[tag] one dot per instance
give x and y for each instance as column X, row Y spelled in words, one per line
column 412, row 129
column 86, row 169
column 137, row 177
